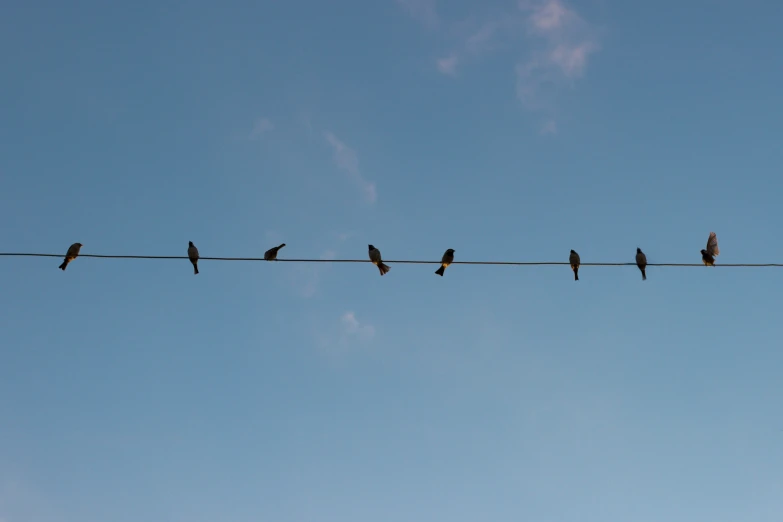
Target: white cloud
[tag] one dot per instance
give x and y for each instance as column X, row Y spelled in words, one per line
column 477, row 40
column 423, row 11
column 348, row 161
column 353, row 329
column 572, row 59
column 261, row 127
column 566, row 39
column 448, row 65
column 482, row 40
column 546, row 16
column 344, row 337
column 306, row 278
column 549, row 127
column 562, row 45
column 554, row 45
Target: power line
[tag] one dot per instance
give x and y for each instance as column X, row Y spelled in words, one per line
column 402, row 261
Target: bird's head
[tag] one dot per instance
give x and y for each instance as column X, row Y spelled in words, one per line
column 703, row 252
column 573, row 252
column 371, row 247
column 638, row 250
column 79, row 245
column 450, row 251
column 190, row 243
column 281, row 245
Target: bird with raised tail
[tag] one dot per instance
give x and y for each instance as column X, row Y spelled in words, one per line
column 447, row 259
column 193, row 256
column 574, row 260
column 271, row 254
column 641, row 262
column 375, row 258
column 73, row 253
column 712, row 250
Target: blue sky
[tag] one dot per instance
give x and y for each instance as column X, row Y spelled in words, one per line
column 132, row 390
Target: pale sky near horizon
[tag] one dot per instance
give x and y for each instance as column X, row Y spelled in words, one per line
column 133, row 390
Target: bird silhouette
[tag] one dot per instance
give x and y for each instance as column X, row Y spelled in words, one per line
column 641, row 262
column 574, row 260
column 73, row 253
column 712, row 250
column 271, row 254
column 375, row 257
column 447, row 259
column 193, row 256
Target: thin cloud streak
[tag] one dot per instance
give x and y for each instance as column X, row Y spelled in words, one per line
column 353, row 329
column 555, row 43
column 547, row 16
column 423, row 11
column 562, row 45
column 549, row 127
column 492, row 35
column 261, row 127
column 448, row 65
column 348, row 161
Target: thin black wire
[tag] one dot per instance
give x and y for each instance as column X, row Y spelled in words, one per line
column 403, row 261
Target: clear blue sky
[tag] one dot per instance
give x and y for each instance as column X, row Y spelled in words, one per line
column 133, row 390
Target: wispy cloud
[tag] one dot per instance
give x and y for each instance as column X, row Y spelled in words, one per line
column 423, row 11
column 20, row 501
column 478, row 39
column 448, row 65
column 549, row 127
column 492, row 34
column 348, row 161
column 352, row 329
column 562, row 45
column 306, row 278
column 344, row 336
column 552, row 42
column 546, row 16
column 261, row 127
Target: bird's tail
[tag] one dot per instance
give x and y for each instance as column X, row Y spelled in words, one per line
column 382, row 268
column 644, row 275
column 195, row 268
column 440, row 270
column 576, row 274
column 62, row 266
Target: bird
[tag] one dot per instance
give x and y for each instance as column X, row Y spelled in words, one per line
column 574, row 260
column 73, row 253
column 271, row 254
column 193, row 256
column 641, row 262
column 712, row 250
column 375, row 257
column 447, row 259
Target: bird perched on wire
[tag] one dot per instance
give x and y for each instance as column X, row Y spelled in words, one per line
column 641, row 262
column 447, row 259
column 73, row 253
column 193, row 256
column 712, row 250
column 375, row 257
column 574, row 260
column 271, row 254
